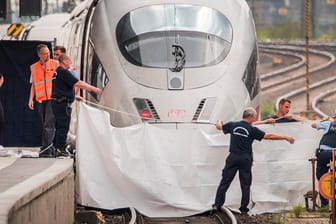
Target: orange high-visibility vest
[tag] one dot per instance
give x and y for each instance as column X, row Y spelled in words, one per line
column 42, row 79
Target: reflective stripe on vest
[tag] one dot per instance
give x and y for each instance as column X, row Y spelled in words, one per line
column 42, row 80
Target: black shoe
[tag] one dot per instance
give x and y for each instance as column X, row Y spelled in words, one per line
column 244, row 211
column 61, row 153
column 214, row 209
column 47, row 152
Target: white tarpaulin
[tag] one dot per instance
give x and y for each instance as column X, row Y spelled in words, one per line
column 175, row 172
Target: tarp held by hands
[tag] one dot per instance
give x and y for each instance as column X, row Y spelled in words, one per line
column 175, row 172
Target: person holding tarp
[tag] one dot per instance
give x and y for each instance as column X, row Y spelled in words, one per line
column 283, row 113
column 324, row 151
column 240, row 158
column 62, row 97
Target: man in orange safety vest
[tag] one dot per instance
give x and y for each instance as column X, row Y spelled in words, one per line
column 42, row 73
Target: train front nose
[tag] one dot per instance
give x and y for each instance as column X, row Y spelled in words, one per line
column 172, row 58
column 171, row 68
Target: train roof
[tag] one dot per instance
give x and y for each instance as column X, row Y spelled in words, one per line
column 47, row 26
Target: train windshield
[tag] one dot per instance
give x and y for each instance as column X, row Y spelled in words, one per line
column 162, row 36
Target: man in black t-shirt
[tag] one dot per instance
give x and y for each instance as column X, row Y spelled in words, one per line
column 63, row 95
column 240, row 158
column 283, row 114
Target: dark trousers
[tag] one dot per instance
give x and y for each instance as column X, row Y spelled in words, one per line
column 234, row 163
column 323, row 158
column 62, row 111
column 2, row 123
column 48, row 122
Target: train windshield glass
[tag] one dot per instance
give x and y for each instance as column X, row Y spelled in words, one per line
column 162, row 36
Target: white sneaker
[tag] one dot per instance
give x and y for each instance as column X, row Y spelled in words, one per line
column 3, row 151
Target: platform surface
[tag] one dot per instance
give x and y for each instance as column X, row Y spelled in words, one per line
column 24, row 179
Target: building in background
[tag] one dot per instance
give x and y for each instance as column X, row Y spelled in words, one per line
column 281, row 18
column 10, row 9
column 270, row 13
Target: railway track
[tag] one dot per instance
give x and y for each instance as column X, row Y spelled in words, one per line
column 324, row 103
column 131, row 216
column 207, row 218
column 290, row 81
column 292, row 70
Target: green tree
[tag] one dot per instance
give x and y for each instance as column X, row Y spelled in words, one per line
column 267, row 109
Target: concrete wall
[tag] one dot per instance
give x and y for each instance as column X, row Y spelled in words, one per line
column 55, row 205
column 47, row 197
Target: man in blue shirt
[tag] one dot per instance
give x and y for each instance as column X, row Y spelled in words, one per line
column 324, row 152
column 240, row 158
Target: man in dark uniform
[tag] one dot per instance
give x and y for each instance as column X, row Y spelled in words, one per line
column 240, row 158
column 324, row 152
column 63, row 95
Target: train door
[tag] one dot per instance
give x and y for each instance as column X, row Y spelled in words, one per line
column 75, row 43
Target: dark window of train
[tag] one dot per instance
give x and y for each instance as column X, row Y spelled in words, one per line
column 139, row 50
column 98, row 77
column 250, row 77
column 150, row 43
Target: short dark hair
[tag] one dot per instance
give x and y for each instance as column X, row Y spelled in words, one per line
column 40, row 46
column 284, row 100
column 61, row 48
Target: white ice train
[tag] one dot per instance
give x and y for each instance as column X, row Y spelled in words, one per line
column 176, row 64
column 187, row 61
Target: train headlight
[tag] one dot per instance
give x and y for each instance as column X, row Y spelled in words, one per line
column 146, row 114
column 146, row 109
